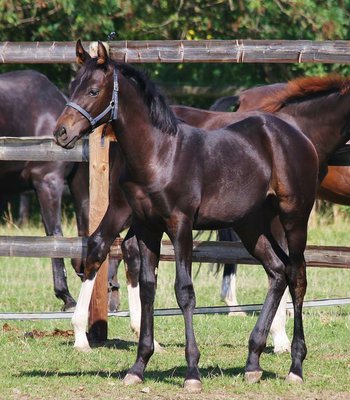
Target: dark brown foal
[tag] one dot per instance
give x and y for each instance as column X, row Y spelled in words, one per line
column 261, row 168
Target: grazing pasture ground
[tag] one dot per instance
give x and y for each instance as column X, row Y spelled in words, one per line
column 38, row 360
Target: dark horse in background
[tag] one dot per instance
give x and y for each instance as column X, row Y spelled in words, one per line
column 263, row 170
column 29, row 106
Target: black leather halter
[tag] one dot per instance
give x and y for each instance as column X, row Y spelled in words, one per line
column 112, row 107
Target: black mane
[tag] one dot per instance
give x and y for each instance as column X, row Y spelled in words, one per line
column 161, row 115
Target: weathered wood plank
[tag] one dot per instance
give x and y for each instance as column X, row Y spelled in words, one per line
column 99, row 196
column 38, row 246
column 210, row 252
column 41, row 149
column 175, row 51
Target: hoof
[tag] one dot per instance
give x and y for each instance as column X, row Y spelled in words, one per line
column 237, row 314
column 113, row 301
column 83, row 349
column 193, row 386
column 158, row 348
column 282, row 348
column 253, row 376
column 294, row 379
column 69, row 307
column 131, row 380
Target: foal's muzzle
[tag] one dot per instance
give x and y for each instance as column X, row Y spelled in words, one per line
column 60, row 133
column 62, row 138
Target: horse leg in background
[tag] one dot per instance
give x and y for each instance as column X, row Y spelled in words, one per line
column 78, row 182
column 228, row 284
column 49, row 190
column 113, row 285
column 281, row 342
column 24, row 209
column 131, row 256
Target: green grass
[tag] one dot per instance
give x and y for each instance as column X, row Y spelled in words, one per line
column 36, row 364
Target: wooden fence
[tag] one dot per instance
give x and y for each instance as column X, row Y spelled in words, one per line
column 232, row 51
column 179, row 51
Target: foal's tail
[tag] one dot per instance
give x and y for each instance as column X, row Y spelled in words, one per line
column 228, row 103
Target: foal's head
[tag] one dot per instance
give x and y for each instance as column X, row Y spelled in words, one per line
column 92, row 97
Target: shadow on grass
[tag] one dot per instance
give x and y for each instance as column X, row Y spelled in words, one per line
column 120, row 344
column 116, row 344
column 167, row 376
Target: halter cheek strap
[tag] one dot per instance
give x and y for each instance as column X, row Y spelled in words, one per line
column 112, row 107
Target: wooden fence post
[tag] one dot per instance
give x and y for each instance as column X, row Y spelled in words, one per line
column 99, row 188
column 99, row 195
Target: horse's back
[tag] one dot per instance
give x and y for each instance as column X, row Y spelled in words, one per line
column 253, row 98
column 30, row 104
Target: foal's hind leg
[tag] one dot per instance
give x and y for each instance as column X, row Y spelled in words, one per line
column 278, row 332
column 296, row 232
column 260, row 244
column 278, row 328
column 132, row 260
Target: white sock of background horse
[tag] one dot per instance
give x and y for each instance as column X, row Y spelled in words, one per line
column 135, row 313
column 278, row 327
column 81, row 315
column 228, row 293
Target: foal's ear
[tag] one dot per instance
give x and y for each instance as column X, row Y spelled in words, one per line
column 82, row 55
column 102, row 54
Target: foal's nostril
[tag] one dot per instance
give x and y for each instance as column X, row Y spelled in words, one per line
column 61, row 133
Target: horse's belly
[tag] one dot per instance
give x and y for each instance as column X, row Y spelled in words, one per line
column 221, row 212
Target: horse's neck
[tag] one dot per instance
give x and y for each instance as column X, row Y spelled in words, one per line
column 323, row 121
column 143, row 146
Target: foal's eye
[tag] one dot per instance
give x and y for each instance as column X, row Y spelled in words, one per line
column 94, row 92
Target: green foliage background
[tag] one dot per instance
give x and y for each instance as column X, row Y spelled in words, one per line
column 66, row 20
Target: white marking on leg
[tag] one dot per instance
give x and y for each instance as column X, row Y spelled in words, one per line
column 228, row 290
column 278, row 327
column 134, row 308
column 135, row 313
column 81, row 315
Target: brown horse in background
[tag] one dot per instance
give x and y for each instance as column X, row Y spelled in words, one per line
column 260, row 168
column 321, row 107
column 299, row 99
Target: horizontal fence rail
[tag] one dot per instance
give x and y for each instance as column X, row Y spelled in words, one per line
column 41, row 149
column 203, row 251
column 178, row 51
column 167, row 312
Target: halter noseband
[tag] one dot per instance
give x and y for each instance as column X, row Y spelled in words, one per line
column 112, row 107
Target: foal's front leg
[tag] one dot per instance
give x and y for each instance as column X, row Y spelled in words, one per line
column 99, row 244
column 81, row 313
column 180, row 233
column 149, row 246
